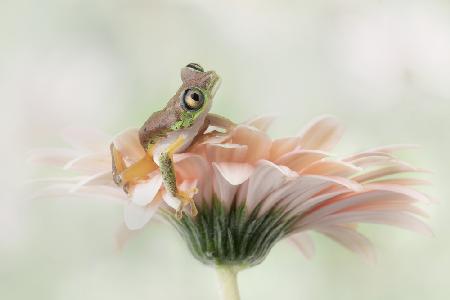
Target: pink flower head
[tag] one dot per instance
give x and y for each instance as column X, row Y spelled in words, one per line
column 254, row 190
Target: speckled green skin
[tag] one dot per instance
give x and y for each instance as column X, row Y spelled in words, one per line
column 168, row 173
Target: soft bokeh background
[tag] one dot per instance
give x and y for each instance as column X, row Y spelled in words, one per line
column 382, row 67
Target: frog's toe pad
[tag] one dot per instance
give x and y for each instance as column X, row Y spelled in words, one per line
column 186, row 198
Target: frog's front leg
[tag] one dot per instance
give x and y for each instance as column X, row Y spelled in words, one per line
column 219, row 121
column 170, row 181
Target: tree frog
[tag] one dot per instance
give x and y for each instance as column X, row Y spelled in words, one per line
column 172, row 130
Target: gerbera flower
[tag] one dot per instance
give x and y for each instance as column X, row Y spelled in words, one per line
column 253, row 190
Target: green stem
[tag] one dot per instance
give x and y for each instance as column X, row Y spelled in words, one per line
column 227, row 280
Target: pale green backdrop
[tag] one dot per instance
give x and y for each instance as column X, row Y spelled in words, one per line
column 382, row 67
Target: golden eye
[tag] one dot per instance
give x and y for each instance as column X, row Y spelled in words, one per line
column 193, row 99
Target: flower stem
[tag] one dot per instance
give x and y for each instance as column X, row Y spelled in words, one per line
column 227, row 280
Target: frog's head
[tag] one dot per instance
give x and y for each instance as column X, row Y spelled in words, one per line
column 194, row 98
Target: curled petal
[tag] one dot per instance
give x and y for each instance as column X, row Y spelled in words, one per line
column 224, row 190
column 234, row 173
column 128, row 144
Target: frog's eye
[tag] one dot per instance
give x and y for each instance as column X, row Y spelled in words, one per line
column 195, row 67
column 193, row 99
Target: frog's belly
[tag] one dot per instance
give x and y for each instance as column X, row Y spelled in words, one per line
column 188, row 134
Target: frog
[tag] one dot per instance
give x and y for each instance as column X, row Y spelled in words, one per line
column 171, row 130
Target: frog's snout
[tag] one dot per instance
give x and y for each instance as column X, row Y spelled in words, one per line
column 215, row 82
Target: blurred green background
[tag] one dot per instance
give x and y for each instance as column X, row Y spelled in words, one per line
column 382, row 67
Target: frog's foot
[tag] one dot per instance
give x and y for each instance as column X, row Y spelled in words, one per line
column 186, row 198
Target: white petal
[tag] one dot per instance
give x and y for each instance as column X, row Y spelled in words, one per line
column 89, row 139
column 172, row 201
column 137, row 216
column 144, row 193
column 52, row 156
column 101, row 177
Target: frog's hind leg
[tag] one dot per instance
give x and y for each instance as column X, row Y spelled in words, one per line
column 170, row 181
column 127, row 176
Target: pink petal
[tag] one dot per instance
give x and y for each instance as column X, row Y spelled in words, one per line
column 345, row 202
column 261, row 122
column 90, row 163
column 321, row 134
column 226, row 152
column 234, row 173
column 128, row 144
column 352, row 240
column 331, row 168
column 394, row 148
column 144, row 193
column 223, row 189
column 136, row 216
column 398, row 219
column 403, row 181
column 266, row 179
column 300, row 208
column 257, row 141
column 303, row 188
column 348, row 183
column 364, row 155
column 283, row 146
column 300, row 159
column 398, row 189
column 304, row 243
column 385, row 171
column 195, row 167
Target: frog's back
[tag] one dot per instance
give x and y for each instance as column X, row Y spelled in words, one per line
column 156, row 127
